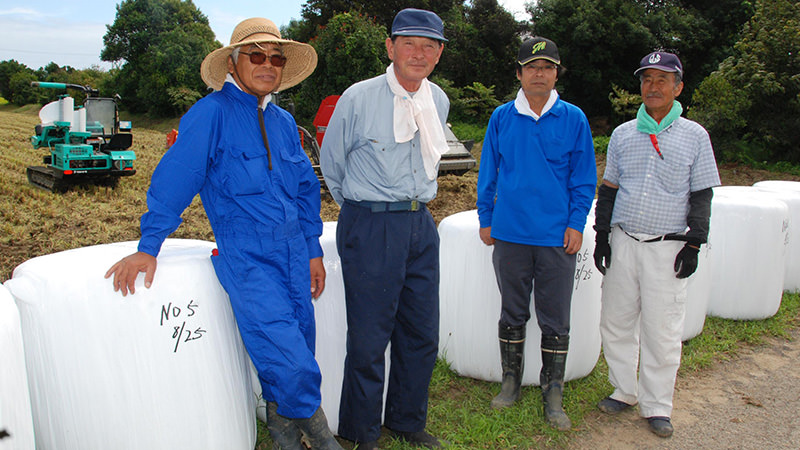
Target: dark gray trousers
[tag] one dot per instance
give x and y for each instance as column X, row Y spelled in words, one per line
column 547, row 271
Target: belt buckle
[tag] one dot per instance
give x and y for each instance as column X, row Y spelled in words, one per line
column 414, row 205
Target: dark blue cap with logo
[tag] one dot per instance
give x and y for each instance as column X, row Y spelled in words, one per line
column 668, row 62
column 418, row 22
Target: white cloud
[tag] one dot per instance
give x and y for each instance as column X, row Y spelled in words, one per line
column 20, row 12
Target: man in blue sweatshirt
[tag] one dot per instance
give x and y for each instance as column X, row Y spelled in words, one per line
column 535, row 187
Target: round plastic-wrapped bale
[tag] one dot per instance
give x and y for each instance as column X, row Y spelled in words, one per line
column 698, row 293
column 16, row 421
column 470, row 307
column 162, row 369
column 746, row 246
column 789, row 193
column 330, row 313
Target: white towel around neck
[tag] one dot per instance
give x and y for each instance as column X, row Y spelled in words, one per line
column 418, row 113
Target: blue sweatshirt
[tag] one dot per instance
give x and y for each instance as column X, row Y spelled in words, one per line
column 537, row 177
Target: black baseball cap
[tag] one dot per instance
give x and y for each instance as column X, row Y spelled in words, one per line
column 538, row 48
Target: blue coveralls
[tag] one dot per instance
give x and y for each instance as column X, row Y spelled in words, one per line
column 267, row 227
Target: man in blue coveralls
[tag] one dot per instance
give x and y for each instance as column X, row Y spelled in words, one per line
column 243, row 155
column 535, row 187
column 380, row 160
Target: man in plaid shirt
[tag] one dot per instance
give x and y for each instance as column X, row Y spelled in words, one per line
column 652, row 215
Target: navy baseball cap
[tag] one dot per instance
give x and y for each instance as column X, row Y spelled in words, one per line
column 668, row 62
column 418, row 22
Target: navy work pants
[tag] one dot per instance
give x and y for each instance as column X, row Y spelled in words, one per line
column 390, row 264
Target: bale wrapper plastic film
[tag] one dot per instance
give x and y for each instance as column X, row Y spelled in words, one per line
column 789, row 193
column 15, row 404
column 747, row 249
column 164, row 368
column 470, row 307
column 698, row 293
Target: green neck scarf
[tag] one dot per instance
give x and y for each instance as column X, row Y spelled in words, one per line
column 647, row 124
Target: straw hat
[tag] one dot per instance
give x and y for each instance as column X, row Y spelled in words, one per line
column 301, row 59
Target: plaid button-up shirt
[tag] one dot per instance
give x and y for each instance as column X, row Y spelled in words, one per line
column 653, row 196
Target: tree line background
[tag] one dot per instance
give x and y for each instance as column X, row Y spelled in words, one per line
column 741, row 60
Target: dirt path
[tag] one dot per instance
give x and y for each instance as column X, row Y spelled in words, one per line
column 750, row 402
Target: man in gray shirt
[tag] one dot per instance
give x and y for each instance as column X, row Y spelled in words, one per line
column 380, row 161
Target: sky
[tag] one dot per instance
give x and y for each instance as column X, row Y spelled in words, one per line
column 36, row 32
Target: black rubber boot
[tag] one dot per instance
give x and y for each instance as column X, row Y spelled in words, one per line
column 512, row 356
column 285, row 434
column 554, row 360
column 316, row 431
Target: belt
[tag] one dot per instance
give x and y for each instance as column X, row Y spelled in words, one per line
column 410, row 205
column 666, row 237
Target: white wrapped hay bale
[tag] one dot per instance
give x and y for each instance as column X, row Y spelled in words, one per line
column 746, row 245
column 330, row 313
column 470, row 307
column 162, row 369
column 15, row 404
column 698, row 294
column 789, row 193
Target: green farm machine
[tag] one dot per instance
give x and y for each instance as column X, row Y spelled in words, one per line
column 88, row 144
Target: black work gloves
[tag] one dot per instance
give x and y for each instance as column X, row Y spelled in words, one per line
column 686, row 261
column 602, row 252
column 606, row 196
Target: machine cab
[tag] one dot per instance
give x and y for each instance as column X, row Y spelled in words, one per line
column 102, row 121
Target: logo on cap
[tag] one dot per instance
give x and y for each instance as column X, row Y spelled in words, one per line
column 654, row 58
column 539, row 46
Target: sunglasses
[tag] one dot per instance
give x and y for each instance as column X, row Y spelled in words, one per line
column 260, row 57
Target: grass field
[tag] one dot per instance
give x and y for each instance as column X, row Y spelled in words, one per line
column 34, row 222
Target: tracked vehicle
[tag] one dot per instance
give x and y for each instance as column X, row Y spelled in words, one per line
column 87, row 144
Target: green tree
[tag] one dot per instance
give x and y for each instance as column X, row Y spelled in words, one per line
column 751, row 104
column 701, row 32
column 21, row 92
column 601, row 41
column 161, row 44
column 482, row 37
column 317, row 13
column 351, row 48
column 482, row 47
column 473, row 104
column 8, row 69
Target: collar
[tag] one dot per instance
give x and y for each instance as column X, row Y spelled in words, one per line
column 229, row 79
column 524, row 108
column 646, row 124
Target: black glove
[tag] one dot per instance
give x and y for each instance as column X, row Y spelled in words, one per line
column 602, row 252
column 686, row 261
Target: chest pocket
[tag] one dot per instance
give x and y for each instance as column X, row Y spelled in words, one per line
column 554, row 149
column 246, row 171
column 294, row 165
column 385, row 156
column 674, row 172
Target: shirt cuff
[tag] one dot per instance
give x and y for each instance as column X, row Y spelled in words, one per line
column 314, row 248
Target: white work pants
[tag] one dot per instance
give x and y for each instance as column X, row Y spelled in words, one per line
column 643, row 307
